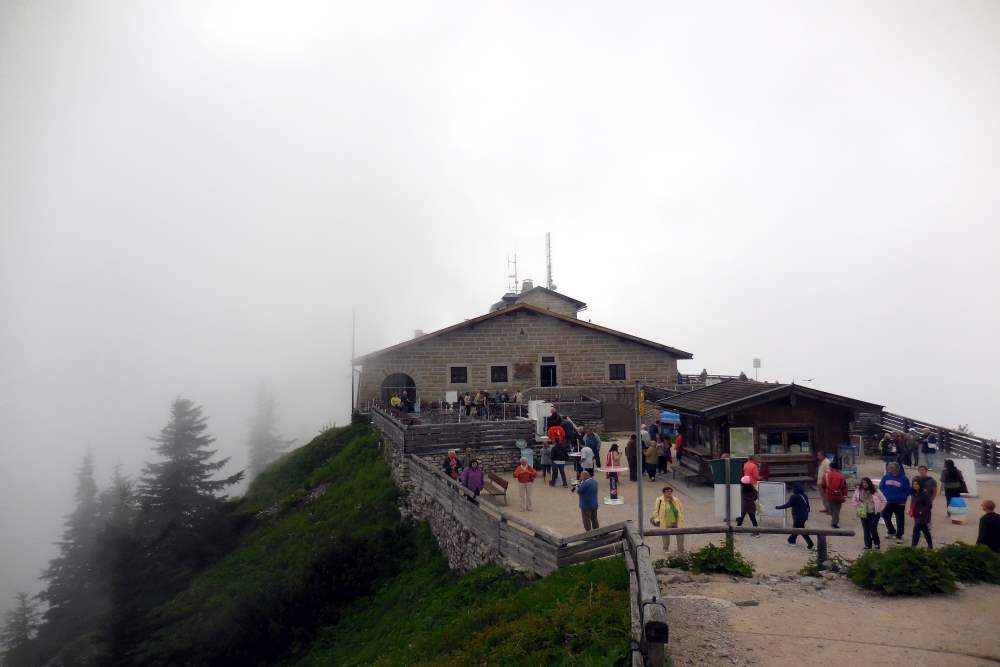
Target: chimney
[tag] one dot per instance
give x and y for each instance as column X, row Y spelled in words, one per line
column 527, row 285
column 417, row 333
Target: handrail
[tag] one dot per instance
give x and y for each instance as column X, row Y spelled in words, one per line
column 986, row 450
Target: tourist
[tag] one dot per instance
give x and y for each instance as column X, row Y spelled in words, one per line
column 480, row 402
column 663, row 453
column 799, row 504
column 929, row 484
column 650, row 457
column 888, row 448
column 631, row 459
column 525, row 475
column 929, row 444
column 556, row 433
column 593, row 441
column 822, row 467
column 912, row 443
column 654, row 432
column 989, row 526
column 587, row 490
column 748, row 502
column 870, row 503
column 751, row 469
column 554, row 418
column 473, row 478
column 573, row 437
column 467, row 399
column 586, row 461
column 896, row 488
column 546, row 460
column 395, row 401
column 921, row 505
column 452, row 466
column 644, row 438
column 614, row 461
column 559, row 456
column 835, row 489
column 679, row 445
column 952, row 482
column 669, row 513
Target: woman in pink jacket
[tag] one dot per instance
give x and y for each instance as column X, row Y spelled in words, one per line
column 870, row 503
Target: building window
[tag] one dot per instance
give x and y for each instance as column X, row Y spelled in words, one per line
column 459, row 374
column 498, row 374
column 616, row 371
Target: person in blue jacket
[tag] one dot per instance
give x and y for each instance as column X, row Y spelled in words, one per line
column 799, row 504
column 896, row 488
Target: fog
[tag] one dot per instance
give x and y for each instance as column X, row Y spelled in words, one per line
column 195, row 196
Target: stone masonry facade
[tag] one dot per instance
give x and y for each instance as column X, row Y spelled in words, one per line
column 516, row 340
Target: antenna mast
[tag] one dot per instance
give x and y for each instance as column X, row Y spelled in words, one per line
column 512, row 276
column 548, row 261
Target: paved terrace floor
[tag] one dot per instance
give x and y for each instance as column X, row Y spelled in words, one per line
column 557, row 509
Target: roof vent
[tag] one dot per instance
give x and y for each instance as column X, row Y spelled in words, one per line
column 417, row 333
column 527, row 285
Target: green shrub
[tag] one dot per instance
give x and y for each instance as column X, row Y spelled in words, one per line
column 903, row 571
column 675, row 560
column 711, row 558
column 972, row 562
column 813, row 568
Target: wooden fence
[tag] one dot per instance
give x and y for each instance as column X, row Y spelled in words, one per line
column 433, row 438
column 541, row 551
column 982, row 450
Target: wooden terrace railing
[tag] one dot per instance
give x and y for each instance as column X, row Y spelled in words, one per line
column 982, row 450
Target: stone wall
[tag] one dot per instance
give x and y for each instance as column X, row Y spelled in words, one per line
column 517, row 340
column 463, row 548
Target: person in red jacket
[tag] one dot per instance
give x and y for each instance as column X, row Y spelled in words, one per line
column 835, row 491
column 525, row 475
column 751, row 469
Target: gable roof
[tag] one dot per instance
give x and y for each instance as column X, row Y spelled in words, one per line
column 517, row 307
column 737, row 394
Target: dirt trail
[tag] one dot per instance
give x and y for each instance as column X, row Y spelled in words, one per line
column 800, row 621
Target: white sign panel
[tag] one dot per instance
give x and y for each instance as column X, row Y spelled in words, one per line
column 771, row 494
column 720, row 501
column 968, row 469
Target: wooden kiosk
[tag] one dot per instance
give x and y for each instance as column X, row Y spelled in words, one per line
column 785, row 424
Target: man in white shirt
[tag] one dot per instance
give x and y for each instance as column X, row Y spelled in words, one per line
column 822, row 467
column 587, row 460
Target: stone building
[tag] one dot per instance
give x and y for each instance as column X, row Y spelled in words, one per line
column 529, row 339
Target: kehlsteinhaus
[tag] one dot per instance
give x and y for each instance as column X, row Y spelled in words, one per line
column 530, row 341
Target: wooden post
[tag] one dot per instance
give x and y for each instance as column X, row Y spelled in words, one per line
column 821, row 552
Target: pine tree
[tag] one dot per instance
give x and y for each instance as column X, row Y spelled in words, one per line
column 73, row 589
column 18, row 631
column 180, row 502
column 265, row 443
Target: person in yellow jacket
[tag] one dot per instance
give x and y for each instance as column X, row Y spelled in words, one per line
column 669, row 513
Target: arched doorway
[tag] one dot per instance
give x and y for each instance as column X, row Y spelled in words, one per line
column 403, row 386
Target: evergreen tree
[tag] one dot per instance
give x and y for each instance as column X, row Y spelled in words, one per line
column 181, row 505
column 73, row 589
column 265, row 443
column 18, row 631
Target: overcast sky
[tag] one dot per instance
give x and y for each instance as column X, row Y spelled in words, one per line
column 194, row 196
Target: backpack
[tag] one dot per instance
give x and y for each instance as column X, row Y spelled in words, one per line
column 837, row 494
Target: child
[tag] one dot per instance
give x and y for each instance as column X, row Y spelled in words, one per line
column 799, row 504
column 546, row 460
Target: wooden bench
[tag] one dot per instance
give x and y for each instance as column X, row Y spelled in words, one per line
column 496, row 486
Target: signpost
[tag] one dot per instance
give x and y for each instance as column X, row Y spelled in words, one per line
column 640, row 397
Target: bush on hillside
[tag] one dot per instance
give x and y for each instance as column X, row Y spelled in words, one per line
column 903, row 571
column 971, row 562
column 711, row 558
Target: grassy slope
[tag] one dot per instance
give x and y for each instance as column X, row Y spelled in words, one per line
column 341, row 580
column 430, row 616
